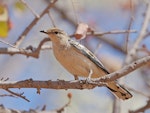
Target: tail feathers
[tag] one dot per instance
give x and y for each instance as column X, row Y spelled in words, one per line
column 119, row 91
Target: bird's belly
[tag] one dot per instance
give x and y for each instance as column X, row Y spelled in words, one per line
column 78, row 64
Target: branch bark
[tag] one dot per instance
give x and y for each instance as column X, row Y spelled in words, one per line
column 126, row 70
column 78, row 84
column 29, row 51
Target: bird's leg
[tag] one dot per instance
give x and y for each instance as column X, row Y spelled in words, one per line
column 76, row 77
column 89, row 76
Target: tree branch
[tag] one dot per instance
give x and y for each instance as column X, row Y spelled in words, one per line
column 30, row 8
column 18, row 95
column 142, row 34
column 28, row 28
column 126, row 70
column 74, row 24
column 112, row 32
column 43, row 110
column 79, row 84
column 59, row 84
column 142, row 109
column 29, row 51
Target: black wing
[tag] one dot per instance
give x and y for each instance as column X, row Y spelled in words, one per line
column 88, row 54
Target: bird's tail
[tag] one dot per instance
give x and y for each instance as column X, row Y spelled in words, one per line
column 119, row 91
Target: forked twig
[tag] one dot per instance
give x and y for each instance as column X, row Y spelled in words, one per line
column 18, row 95
column 28, row 28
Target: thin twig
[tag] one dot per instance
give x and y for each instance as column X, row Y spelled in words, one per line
column 112, row 32
column 29, row 51
column 6, row 95
column 8, row 44
column 36, row 51
column 112, row 43
column 73, row 23
column 130, row 25
column 3, row 109
column 33, row 12
column 97, row 48
column 60, row 110
column 51, row 18
column 132, row 52
column 94, row 33
column 136, row 91
column 144, row 49
column 25, row 32
column 142, row 109
column 18, row 95
column 65, row 16
column 75, row 11
column 116, row 106
column 126, row 70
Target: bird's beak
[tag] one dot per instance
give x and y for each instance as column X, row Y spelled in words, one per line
column 44, row 32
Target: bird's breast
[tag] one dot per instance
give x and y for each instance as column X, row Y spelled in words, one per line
column 75, row 62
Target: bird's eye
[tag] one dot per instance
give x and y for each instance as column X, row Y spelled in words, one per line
column 56, row 32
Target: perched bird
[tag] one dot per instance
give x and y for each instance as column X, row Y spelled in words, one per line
column 79, row 61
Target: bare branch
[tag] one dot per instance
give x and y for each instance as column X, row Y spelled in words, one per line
column 6, row 95
column 33, row 12
column 29, row 51
column 51, row 18
column 136, row 91
column 142, row 34
column 73, row 23
column 112, row 43
column 65, row 16
column 60, row 84
column 126, row 70
column 144, row 49
column 142, row 109
column 112, row 32
column 130, row 24
column 18, row 95
column 74, row 6
column 28, row 28
column 116, row 106
column 97, row 48
column 60, row 110
column 8, row 44
column 78, row 84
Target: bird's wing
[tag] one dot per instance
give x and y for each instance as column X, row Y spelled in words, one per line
column 88, row 54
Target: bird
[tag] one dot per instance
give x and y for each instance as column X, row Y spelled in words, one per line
column 80, row 61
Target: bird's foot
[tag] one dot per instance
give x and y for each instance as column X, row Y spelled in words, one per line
column 88, row 80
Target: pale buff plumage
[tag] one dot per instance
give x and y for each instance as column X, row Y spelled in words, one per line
column 79, row 61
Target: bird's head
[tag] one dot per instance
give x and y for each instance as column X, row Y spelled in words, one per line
column 55, row 34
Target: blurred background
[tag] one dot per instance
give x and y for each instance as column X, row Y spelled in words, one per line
column 102, row 16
